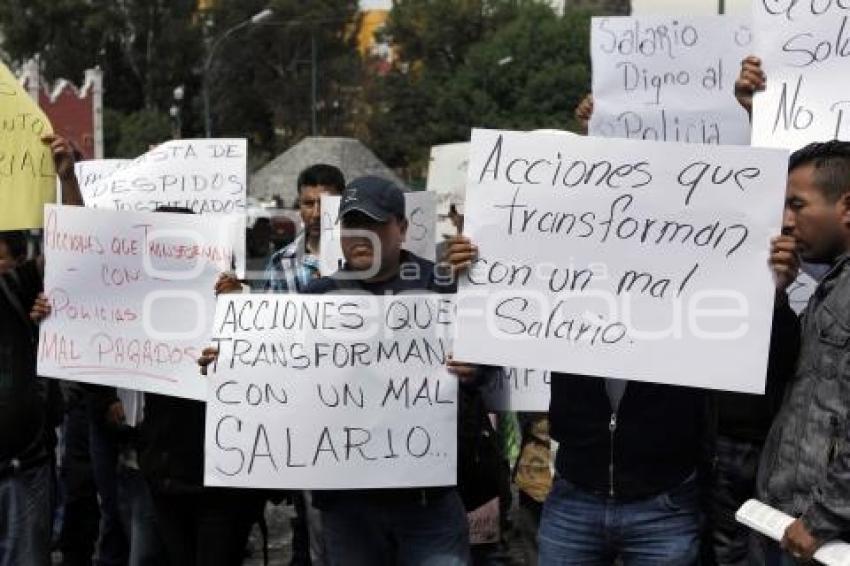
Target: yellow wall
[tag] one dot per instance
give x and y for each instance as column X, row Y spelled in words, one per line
column 372, row 21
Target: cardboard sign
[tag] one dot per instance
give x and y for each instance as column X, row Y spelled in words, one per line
column 804, row 47
column 668, row 78
column 618, row 258
column 420, row 209
column 27, row 174
column 132, row 297
column 332, row 392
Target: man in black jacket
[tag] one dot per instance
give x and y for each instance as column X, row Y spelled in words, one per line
column 25, row 425
column 627, row 460
column 397, row 526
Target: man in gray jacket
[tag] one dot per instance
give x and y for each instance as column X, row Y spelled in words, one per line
column 805, row 465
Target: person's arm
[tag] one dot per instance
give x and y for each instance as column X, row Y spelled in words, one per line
column 829, row 514
column 828, row 517
column 63, row 159
column 459, row 255
column 583, row 112
column 750, row 80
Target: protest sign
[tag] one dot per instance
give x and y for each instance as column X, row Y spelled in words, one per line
column 132, row 297
column 207, row 176
column 668, row 78
column 447, row 180
column 204, row 175
column 694, row 7
column 518, row 389
column 27, row 174
column 620, row 258
column 91, row 171
column 331, row 392
column 420, row 209
column 804, row 47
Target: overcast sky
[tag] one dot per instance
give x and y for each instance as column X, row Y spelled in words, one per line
column 375, row 4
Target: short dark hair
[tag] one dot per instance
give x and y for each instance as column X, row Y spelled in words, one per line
column 16, row 241
column 324, row 175
column 831, row 161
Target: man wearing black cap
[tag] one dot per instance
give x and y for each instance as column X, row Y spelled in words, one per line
column 388, row 526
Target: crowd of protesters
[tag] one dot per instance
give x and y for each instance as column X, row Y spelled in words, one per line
column 643, row 473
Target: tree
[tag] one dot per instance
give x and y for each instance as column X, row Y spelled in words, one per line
column 261, row 76
column 513, row 65
column 431, row 39
column 145, row 47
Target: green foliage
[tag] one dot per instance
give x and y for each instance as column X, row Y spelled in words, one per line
column 130, row 135
column 261, row 76
column 513, row 65
column 145, row 47
column 260, row 80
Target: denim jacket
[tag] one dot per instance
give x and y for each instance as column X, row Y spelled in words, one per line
column 805, row 465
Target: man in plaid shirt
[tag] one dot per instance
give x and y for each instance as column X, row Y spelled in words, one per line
column 294, row 266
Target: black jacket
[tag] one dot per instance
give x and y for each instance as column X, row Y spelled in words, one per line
column 659, row 436
column 171, row 440
column 746, row 417
column 24, row 399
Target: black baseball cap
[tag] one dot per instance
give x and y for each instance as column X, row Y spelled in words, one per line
column 378, row 198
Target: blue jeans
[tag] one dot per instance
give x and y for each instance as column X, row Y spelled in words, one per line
column 360, row 531
column 139, row 518
column 581, row 529
column 25, row 517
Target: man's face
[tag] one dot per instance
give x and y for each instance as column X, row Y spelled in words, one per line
column 358, row 249
column 310, row 207
column 7, row 262
column 814, row 221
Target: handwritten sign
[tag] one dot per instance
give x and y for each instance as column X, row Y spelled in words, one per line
column 804, row 47
column 132, row 297
column 206, row 176
column 420, row 209
column 694, row 7
column 620, row 258
column 667, row 78
column 27, row 175
column 332, row 392
column 91, row 171
column 447, row 180
column 518, row 389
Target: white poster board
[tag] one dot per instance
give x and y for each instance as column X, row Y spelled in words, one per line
column 667, row 78
column 420, row 209
column 518, row 389
column 618, row 258
column 207, row 176
column 132, row 297
column 693, row 7
column 91, row 171
column 447, row 180
column 332, row 392
column 804, row 48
